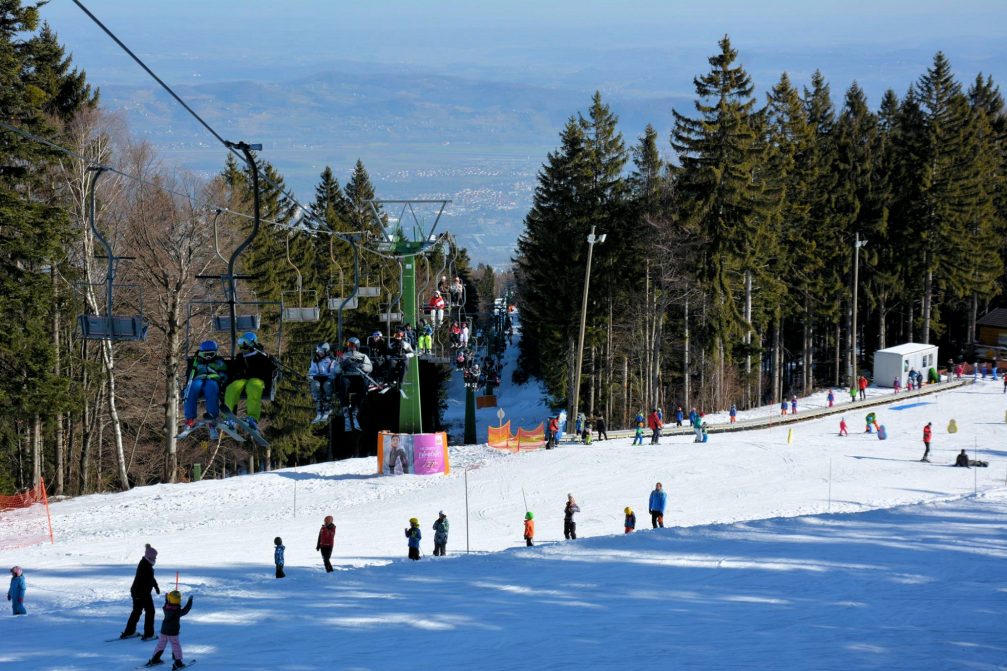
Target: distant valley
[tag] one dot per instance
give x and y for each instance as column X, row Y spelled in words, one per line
column 478, row 143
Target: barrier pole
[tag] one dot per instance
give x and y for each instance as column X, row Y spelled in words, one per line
column 48, row 514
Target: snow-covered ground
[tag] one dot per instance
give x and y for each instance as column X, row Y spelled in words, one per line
column 828, row 553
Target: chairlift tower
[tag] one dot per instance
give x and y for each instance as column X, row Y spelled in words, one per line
column 406, row 236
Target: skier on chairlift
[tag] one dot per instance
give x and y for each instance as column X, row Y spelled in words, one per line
column 207, row 373
column 351, row 369
column 321, row 374
column 252, row 369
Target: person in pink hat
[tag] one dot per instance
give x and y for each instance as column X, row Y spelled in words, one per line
column 17, row 589
column 143, row 582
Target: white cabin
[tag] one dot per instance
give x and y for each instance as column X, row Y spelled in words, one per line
column 894, row 363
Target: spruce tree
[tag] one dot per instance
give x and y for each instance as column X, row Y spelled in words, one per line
column 950, row 187
column 38, row 92
column 722, row 199
column 549, row 268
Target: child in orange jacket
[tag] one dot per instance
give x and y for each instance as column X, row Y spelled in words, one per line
column 529, row 528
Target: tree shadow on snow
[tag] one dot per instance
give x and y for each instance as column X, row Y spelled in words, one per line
column 856, row 589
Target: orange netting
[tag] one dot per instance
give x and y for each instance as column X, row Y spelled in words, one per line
column 499, row 437
column 531, row 439
column 25, row 519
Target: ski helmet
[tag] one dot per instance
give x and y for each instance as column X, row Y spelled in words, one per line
column 322, row 348
column 175, row 597
column 208, row 346
column 628, row 510
column 376, row 334
column 529, row 515
column 277, row 541
column 354, row 342
column 414, row 522
column 248, row 340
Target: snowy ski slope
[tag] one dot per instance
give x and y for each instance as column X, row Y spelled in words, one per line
column 905, row 572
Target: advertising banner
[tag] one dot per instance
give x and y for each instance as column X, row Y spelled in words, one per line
column 417, row 453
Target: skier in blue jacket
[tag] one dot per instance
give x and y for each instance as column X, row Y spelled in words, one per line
column 414, row 536
column 658, row 500
column 16, row 592
column 278, row 557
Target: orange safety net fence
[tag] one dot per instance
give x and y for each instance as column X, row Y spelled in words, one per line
column 25, row 518
column 500, row 437
column 532, row 439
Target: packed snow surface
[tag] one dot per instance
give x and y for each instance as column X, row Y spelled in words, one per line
column 826, row 553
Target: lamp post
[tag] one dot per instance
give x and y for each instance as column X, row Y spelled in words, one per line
column 857, row 244
column 575, row 400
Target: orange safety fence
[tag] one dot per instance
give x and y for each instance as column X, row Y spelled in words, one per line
column 532, row 439
column 500, row 437
column 25, row 518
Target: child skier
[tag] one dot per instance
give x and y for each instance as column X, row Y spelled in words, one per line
column 529, row 529
column 783, row 407
column 871, row 420
column 17, row 590
column 326, row 541
column 831, row 398
column 278, row 557
column 630, row 524
column 414, row 536
column 569, row 526
column 897, row 385
column 927, row 434
column 734, row 413
column 853, row 394
column 440, row 534
column 842, row 427
column 638, row 436
column 170, row 627
column 793, row 405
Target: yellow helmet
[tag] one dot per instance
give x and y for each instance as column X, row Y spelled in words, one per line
column 628, row 510
column 415, row 522
column 175, row 597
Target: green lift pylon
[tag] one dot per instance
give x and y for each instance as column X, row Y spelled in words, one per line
column 410, row 404
column 407, row 237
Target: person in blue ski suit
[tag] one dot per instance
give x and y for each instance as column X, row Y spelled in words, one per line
column 658, row 500
column 17, row 590
column 206, row 377
column 321, row 373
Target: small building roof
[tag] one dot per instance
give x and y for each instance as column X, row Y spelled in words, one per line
column 996, row 317
column 908, row 348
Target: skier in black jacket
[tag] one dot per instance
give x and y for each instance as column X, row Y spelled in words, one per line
column 140, row 592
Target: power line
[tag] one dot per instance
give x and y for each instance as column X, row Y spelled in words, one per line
column 229, row 145
column 70, row 152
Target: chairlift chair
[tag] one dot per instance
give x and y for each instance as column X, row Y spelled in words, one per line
column 109, row 326
column 300, row 312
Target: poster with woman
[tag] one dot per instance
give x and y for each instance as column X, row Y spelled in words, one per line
column 420, row 453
